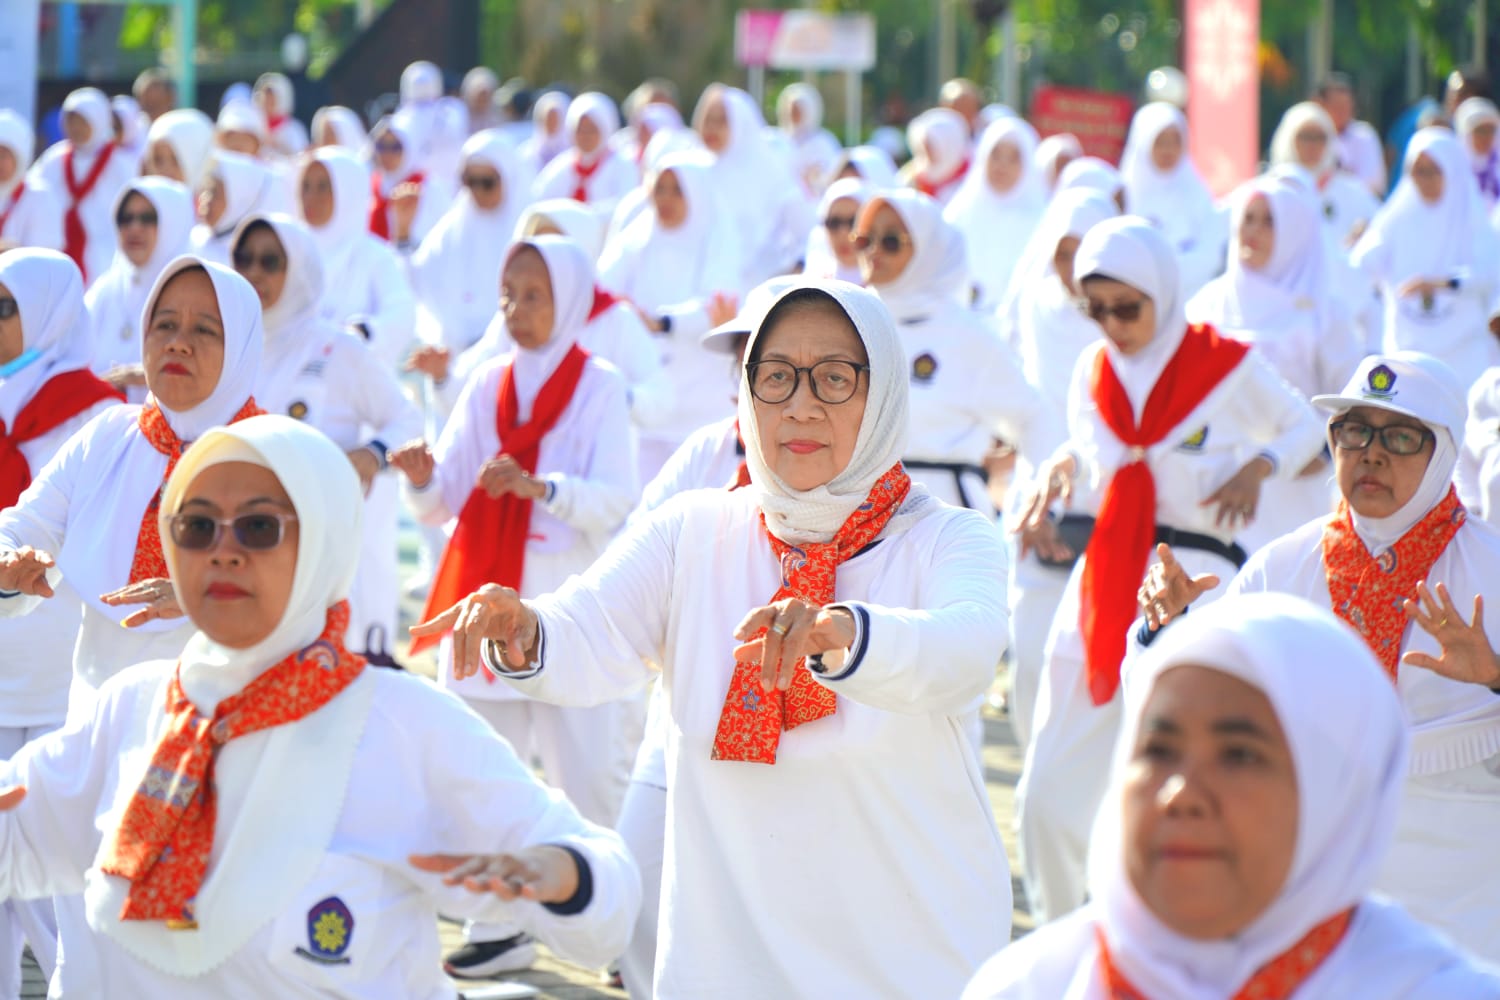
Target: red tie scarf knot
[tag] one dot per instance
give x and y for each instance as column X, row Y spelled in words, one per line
column 603, row 301
column 11, row 203
column 163, row 842
column 75, row 238
column 489, row 542
column 752, row 720
column 380, row 203
column 1117, row 555
column 583, row 174
column 931, row 187
column 60, row 399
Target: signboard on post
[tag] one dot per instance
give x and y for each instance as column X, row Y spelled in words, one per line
column 810, row 41
column 20, row 37
column 1223, row 70
column 1098, row 119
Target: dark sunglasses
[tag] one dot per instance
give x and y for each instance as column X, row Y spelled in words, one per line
column 1125, row 312
column 125, row 219
column 259, row 532
column 388, row 146
column 838, row 223
column 885, row 242
column 270, row 263
column 481, row 183
column 8, row 308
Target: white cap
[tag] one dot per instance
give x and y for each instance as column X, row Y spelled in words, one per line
column 757, row 303
column 1406, row 382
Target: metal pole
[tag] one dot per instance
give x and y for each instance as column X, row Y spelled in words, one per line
column 852, row 111
column 947, row 58
column 1481, row 33
column 1413, row 63
column 1320, row 42
column 68, row 30
column 758, row 85
column 186, row 25
column 1010, row 76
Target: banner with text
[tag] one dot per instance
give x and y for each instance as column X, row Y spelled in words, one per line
column 1223, row 71
column 804, row 39
column 1099, row 120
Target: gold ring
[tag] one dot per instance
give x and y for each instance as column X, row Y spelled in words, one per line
column 780, row 629
column 1443, row 623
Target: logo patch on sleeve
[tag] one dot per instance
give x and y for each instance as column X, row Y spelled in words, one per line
column 330, row 928
column 1195, row 441
column 923, row 368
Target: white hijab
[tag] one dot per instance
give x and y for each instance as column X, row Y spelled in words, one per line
column 572, row 277
column 997, row 226
column 1071, row 213
column 805, row 96
column 247, row 186
column 92, row 106
column 133, row 123
column 937, row 276
column 577, row 223
column 750, row 176
column 350, row 222
column 819, row 260
column 939, row 139
column 598, row 109
column 802, row 516
column 1472, row 113
column 1132, row 251
column 1348, row 741
column 190, row 133
column 348, row 129
column 173, row 205
column 1284, row 141
column 873, row 164
column 16, row 136
column 55, row 332
column 1091, row 173
column 1050, row 151
column 1149, row 191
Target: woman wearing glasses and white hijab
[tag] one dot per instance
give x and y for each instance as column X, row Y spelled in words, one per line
column 1177, row 427
column 1251, row 803
column 1406, row 566
column 296, row 863
column 819, row 655
column 830, row 249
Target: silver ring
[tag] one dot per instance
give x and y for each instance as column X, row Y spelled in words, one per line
column 781, row 629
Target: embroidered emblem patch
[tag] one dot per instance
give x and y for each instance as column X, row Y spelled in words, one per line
column 1381, row 384
column 330, row 927
column 923, row 368
column 297, row 411
column 1194, row 441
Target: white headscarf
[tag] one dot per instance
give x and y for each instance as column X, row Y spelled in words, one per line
column 548, row 144
column 937, row 276
column 1132, row 251
column 1091, row 173
column 1052, row 149
column 1298, row 117
column 48, row 290
column 751, row 177
column 242, row 116
column 174, row 221
column 190, row 133
column 133, row 123
column 996, row 226
column 348, row 128
column 807, row 97
column 601, row 111
column 1472, row 113
column 575, row 220
column 1347, row 735
column 873, row 164
column 410, row 152
column 819, row 261
column 16, row 136
column 247, row 186
column 801, row 516
column 281, row 89
column 1071, row 213
column 421, row 81
column 939, row 139
column 1148, row 191
column 92, row 106
column 572, row 277
column 350, row 221
column 483, row 235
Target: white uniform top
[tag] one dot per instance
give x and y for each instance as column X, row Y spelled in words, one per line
column 1478, row 472
column 97, row 210
column 36, row 220
column 588, row 457
column 783, row 881
column 1360, row 152
column 605, row 186
column 343, row 390
column 1347, row 205
column 371, row 288
column 408, row 770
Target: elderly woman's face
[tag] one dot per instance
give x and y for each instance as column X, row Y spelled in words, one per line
column 261, row 260
column 526, row 299
column 1257, row 234
column 1210, row 804
column 587, row 136
column 714, row 128
column 806, row 440
column 183, row 346
column 317, row 195
column 1166, row 151
column 1126, row 314
column 1003, row 169
column 668, row 200
column 1376, row 481
column 235, row 590
column 839, row 224
column 1428, row 178
column 136, row 223
column 885, row 245
column 161, row 161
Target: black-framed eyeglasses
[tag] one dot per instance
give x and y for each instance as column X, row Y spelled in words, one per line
column 890, row 242
column 271, row 263
column 256, row 531
column 832, row 381
column 1125, row 312
column 8, row 308
column 127, row 219
column 1398, row 439
column 480, row 182
column 839, row 223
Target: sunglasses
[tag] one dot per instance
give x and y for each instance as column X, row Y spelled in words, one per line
column 8, row 308
column 269, row 262
column 258, row 532
column 1125, row 312
column 127, row 219
column 481, row 183
column 886, row 242
column 388, row 146
column 838, row 223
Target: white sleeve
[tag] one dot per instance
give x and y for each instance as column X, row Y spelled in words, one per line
column 1017, row 411
column 40, row 517
column 392, row 315
column 1290, row 430
column 458, row 454
column 379, row 401
column 651, row 391
column 597, row 501
column 1480, row 435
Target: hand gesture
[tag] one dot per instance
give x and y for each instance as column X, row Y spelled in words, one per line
column 541, row 874
column 1054, row 481
column 415, row 461
column 1467, row 655
column 24, row 570
column 491, row 612
column 504, row 474
column 721, row 308
column 431, row 360
column 404, row 200
column 1238, row 498
column 157, row 594
column 1168, row 590
column 1045, row 539
column 124, row 377
column 11, row 797
column 794, row 629
column 366, row 464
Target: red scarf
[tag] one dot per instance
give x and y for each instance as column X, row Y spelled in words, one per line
column 742, row 473
column 931, row 188
column 1115, row 561
column 149, row 562
column 164, row 838
column 602, row 301
column 12, row 202
column 380, row 204
column 489, row 542
column 582, row 174
column 752, row 720
column 276, row 121
column 1368, row 592
column 75, row 239
column 60, row 399
column 1278, row 979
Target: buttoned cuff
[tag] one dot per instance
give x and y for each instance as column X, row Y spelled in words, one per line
column 856, row 652
column 489, row 656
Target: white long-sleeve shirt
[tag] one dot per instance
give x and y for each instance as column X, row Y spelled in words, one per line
column 36, row 220
column 372, row 289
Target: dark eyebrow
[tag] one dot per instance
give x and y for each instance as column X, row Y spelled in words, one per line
column 1161, row 724
column 1239, row 725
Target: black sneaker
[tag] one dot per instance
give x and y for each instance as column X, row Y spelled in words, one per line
column 484, row 959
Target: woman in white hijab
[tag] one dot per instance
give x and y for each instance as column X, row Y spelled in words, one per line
column 1163, row 185
column 967, row 388
column 336, row 125
column 678, row 263
column 46, row 394
column 831, row 252
column 664, row 143
column 1434, row 257
column 940, row 149
column 549, row 136
column 405, row 202
column 371, row 292
column 1476, row 121
column 131, row 125
column 178, row 146
column 260, row 525
column 154, row 217
column 1053, row 154
column 1177, row 427
column 1094, row 174
column 1251, row 800
column 870, row 164
column 799, row 114
column 1307, row 138
column 997, row 207
column 85, row 175
column 806, row 705
column 588, row 171
column 29, row 213
column 538, row 467
column 241, row 128
column 327, row 377
column 285, row 135
column 234, row 187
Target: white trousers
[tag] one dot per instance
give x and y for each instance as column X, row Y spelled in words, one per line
column 24, row 921
column 643, row 826
column 1035, row 593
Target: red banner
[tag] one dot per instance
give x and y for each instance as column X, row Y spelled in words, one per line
column 1223, row 70
column 1099, row 120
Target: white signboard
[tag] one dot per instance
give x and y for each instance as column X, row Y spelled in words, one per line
column 20, row 33
column 805, row 39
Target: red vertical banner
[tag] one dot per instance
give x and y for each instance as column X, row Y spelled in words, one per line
column 1223, row 70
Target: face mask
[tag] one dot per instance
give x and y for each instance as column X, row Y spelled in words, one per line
column 19, row 362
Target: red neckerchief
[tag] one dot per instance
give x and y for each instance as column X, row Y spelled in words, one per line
column 931, row 188
column 489, row 541
column 1278, row 979
column 380, row 204
column 275, row 122
column 582, row 174
column 149, row 563
column 602, row 300
column 1367, row 592
column 166, row 833
column 75, row 239
column 11, row 203
column 1115, row 561
column 752, row 720
column 742, row 473
column 60, row 399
